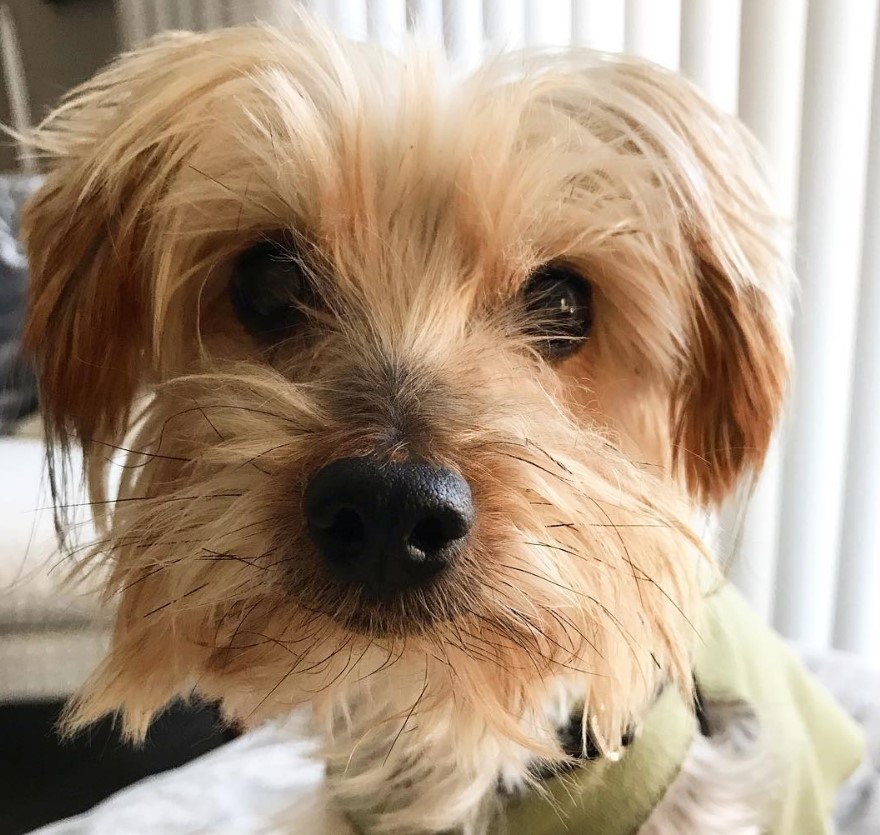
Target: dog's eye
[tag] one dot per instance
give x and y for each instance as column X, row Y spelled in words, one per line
column 270, row 289
column 558, row 302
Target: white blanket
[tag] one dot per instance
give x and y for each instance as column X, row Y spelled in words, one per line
column 264, row 783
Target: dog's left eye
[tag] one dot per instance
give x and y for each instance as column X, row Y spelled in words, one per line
column 270, row 290
column 558, row 303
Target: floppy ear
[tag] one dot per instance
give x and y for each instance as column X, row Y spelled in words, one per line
column 727, row 245
column 726, row 406
column 109, row 154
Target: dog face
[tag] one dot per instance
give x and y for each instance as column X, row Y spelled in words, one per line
column 418, row 381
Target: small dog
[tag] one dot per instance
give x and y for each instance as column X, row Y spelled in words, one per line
column 422, row 383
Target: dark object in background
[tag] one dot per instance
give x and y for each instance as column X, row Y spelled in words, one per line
column 18, row 388
column 43, row 779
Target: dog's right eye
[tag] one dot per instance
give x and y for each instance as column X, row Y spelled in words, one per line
column 558, row 302
column 270, row 289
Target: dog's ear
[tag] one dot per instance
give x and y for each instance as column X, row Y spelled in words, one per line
column 124, row 213
column 726, row 246
column 726, row 406
column 109, row 154
column 733, row 385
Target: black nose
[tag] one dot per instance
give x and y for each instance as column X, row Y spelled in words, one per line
column 387, row 526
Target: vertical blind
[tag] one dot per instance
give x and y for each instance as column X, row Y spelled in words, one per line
column 12, row 73
column 804, row 76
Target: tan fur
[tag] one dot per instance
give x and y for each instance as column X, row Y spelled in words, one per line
column 423, row 202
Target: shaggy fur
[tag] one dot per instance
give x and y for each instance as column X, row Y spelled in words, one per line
column 417, row 203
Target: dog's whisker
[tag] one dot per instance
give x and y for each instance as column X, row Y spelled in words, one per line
column 175, row 601
column 409, row 716
column 227, row 188
column 154, row 499
column 561, row 549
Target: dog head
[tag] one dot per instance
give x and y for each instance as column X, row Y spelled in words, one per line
column 417, row 381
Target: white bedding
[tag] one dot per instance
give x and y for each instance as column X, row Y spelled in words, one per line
column 265, row 783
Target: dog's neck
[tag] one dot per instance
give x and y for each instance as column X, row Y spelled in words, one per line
column 445, row 769
column 438, row 786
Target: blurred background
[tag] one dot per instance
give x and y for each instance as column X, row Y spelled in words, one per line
column 804, row 75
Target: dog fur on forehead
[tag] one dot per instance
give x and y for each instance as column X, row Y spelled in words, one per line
column 418, row 202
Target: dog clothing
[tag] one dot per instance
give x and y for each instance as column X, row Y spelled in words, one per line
column 812, row 745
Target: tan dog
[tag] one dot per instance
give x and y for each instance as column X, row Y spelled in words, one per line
column 420, row 382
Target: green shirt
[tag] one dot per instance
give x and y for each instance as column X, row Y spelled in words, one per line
column 816, row 746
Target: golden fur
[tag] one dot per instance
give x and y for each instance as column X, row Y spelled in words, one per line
column 423, row 201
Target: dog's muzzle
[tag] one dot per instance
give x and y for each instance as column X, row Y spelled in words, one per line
column 386, row 526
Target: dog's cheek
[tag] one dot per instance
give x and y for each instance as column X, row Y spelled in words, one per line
column 616, row 387
column 151, row 661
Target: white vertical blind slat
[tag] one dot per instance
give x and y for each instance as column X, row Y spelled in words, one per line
column 350, row 17
column 772, row 51
column 772, row 48
column 857, row 623
column 504, row 23
column 710, row 48
column 386, row 22
column 463, row 27
column 752, row 529
column 837, row 88
column 547, row 22
column 653, row 30
column 600, row 24
column 426, row 17
column 321, row 8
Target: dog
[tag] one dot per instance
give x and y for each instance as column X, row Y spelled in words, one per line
column 422, row 385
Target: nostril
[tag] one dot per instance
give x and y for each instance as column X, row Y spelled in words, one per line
column 429, row 536
column 434, row 533
column 347, row 527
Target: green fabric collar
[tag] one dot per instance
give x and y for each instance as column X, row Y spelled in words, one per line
column 815, row 744
column 612, row 798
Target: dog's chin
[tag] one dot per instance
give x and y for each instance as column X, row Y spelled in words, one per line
column 377, row 624
column 382, row 613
